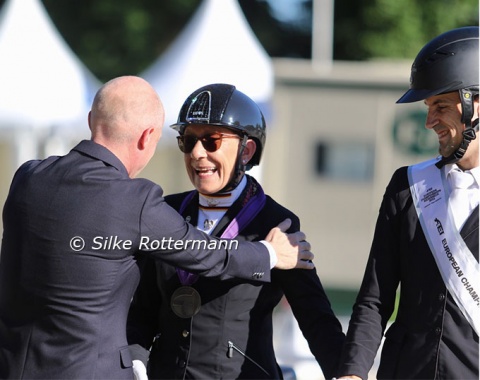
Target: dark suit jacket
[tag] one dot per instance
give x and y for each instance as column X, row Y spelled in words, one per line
column 63, row 309
column 430, row 338
column 233, row 311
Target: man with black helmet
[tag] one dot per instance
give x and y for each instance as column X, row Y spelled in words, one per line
column 426, row 237
column 198, row 328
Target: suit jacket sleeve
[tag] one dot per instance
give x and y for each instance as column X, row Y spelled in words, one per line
column 161, row 223
column 376, row 298
column 312, row 310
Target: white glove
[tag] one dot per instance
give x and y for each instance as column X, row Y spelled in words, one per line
column 139, row 370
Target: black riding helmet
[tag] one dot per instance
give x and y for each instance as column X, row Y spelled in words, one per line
column 223, row 105
column 449, row 63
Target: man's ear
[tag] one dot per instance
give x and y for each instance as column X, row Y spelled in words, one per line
column 249, row 150
column 145, row 137
column 476, row 105
column 89, row 120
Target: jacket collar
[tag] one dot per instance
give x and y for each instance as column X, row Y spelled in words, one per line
column 99, row 152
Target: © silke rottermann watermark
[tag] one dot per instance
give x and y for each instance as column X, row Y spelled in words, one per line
column 114, row 243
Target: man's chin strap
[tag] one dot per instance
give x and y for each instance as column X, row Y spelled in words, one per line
column 469, row 133
column 240, row 168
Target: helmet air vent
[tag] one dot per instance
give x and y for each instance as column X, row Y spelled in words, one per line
column 199, row 110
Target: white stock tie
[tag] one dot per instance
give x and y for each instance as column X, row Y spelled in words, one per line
column 463, row 196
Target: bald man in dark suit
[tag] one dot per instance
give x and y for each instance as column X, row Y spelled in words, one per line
column 73, row 228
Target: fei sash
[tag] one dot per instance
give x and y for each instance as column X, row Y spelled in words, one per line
column 458, row 267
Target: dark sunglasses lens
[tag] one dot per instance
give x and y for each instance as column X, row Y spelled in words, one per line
column 182, row 144
column 189, row 143
column 210, row 143
column 186, row 143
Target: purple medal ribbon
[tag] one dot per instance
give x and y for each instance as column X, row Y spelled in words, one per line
column 246, row 214
column 244, row 217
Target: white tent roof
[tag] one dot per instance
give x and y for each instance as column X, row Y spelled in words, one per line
column 216, row 46
column 42, row 82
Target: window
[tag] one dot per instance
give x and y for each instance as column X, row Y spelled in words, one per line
column 345, row 160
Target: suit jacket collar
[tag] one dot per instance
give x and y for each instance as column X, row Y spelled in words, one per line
column 99, row 152
column 471, row 223
column 471, row 228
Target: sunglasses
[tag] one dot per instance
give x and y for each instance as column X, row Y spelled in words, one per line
column 211, row 142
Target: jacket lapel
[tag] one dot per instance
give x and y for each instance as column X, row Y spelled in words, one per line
column 469, row 232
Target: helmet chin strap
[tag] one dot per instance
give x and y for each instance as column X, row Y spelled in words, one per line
column 240, row 168
column 469, row 133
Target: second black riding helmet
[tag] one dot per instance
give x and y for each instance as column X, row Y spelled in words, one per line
column 449, row 63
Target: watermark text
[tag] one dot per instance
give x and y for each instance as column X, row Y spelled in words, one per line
column 114, row 243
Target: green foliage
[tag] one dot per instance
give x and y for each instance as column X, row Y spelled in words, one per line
column 119, row 37
column 398, row 29
column 114, row 37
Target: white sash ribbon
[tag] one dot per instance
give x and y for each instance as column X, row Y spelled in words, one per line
column 458, row 267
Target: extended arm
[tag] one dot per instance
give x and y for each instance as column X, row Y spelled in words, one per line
column 190, row 249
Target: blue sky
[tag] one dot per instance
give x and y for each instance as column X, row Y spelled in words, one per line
column 286, row 10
